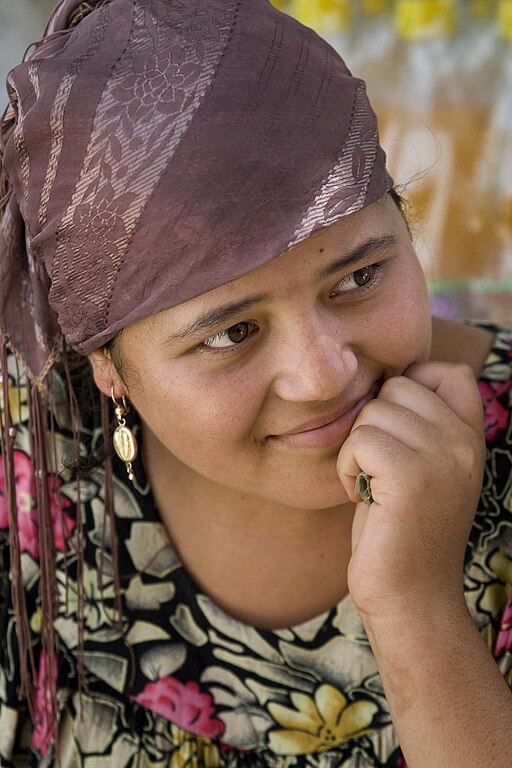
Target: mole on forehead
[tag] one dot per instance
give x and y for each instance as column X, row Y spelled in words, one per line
column 224, row 314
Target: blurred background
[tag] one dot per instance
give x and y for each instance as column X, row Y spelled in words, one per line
column 21, row 22
column 439, row 75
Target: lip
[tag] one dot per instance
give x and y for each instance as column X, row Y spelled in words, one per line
column 327, row 431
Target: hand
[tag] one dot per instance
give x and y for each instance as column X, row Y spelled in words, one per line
column 421, row 440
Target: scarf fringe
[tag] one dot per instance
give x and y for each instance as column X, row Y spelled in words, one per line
column 28, row 672
column 42, row 431
column 47, row 552
column 41, row 426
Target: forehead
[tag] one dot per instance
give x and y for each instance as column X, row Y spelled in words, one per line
column 380, row 221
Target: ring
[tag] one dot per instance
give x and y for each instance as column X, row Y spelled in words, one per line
column 363, row 487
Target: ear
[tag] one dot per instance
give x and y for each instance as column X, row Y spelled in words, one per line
column 105, row 373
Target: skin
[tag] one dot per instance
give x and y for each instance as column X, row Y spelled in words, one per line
column 235, row 473
column 221, row 482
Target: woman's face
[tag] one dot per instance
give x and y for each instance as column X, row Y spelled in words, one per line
column 256, row 384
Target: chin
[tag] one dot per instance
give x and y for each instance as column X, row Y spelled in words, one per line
column 305, row 485
column 313, row 495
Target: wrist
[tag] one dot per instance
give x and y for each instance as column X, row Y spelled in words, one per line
column 423, row 617
column 449, row 704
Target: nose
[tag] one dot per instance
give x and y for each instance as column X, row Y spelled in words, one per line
column 315, row 362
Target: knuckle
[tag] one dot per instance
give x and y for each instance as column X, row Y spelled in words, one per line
column 469, row 454
column 464, row 372
column 391, row 386
column 362, row 433
column 370, row 410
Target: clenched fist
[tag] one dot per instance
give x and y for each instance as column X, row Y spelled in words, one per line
column 421, row 440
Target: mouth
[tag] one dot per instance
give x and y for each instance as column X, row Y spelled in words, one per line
column 328, row 431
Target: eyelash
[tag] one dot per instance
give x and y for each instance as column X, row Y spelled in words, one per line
column 376, row 274
column 218, row 336
column 376, row 270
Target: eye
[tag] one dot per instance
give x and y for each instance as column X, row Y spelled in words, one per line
column 232, row 336
column 361, row 278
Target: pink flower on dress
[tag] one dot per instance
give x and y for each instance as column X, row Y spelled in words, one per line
column 401, row 762
column 44, row 726
column 28, row 519
column 184, row 705
column 496, row 416
column 504, row 640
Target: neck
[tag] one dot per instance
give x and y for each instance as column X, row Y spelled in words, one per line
column 265, row 563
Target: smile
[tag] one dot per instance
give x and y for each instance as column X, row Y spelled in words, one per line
column 328, row 431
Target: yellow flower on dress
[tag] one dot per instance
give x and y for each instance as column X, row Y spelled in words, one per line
column 319, row 723
column 18, row 403
column 194, row 751
column 496, row 594
column 501, row 564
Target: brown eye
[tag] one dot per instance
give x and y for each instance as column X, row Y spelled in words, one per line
column 238, row 332
column 366, row 278
column 363, row 276
column 232, row 336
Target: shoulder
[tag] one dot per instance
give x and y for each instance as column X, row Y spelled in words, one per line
column 468, row 343
column 488, row 572
column 495, row 385
column 498, row 363
column 487, row 349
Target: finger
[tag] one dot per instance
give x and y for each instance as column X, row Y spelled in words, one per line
column 381, row 456
column 405, row 425
column 454, row 384
column 428, row 403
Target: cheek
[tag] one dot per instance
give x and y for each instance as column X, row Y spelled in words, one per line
column 193, row 412
column 401, row 324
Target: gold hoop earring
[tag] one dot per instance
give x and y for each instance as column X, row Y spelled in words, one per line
column 125, row 442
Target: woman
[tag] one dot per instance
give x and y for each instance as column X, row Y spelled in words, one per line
column 196, row 202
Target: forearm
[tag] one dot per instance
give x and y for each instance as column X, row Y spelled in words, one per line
column 450, row 706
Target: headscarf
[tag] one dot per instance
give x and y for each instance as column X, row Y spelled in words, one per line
column 152, row 151
column 161, row 149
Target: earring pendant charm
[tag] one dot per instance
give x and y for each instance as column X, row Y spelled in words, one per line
column 125, row 442
column 125, row 445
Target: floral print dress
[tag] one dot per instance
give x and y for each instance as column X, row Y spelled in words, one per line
column 178, row 683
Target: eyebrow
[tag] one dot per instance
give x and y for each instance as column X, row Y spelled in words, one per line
column 216, row 316
column 371, row 248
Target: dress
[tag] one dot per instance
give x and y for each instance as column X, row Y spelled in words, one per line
column 183, row 685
